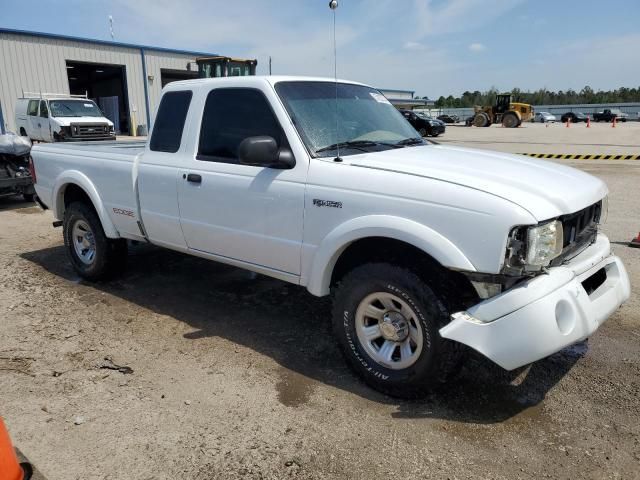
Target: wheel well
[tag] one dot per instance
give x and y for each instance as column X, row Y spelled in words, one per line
column 454, row 286
column 74, row 193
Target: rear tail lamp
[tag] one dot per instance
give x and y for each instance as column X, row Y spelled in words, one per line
column 32, row 169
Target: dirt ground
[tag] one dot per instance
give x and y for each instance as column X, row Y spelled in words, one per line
column 232, row 375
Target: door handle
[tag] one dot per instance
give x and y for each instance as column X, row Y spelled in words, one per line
column 194, row 178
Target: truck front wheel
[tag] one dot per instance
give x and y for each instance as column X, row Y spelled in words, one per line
column 386, row 319
column 92, row 254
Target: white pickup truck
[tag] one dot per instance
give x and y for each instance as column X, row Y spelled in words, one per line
column 324, row 184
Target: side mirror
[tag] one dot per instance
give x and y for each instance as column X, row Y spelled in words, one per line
column 263, row 151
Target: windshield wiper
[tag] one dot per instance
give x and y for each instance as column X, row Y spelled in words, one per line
column 411, row 141
column 361, row 145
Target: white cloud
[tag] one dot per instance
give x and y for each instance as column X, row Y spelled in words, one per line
column 414, row 46
column 477, row 47
column 452, row 16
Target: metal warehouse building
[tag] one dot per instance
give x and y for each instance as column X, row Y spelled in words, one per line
column 127, row 77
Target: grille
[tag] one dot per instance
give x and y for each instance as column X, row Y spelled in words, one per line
column 580, row 230
column 90, row 130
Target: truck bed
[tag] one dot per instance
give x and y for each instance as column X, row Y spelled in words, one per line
column 109, row 165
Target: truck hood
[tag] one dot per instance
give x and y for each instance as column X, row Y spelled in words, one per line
column 544, row 189
column 66, row 121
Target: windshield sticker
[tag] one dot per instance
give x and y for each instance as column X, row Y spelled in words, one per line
column 378, row 97
column 88, row 105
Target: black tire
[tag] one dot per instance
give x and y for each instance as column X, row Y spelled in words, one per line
column 511, row 120
column 110, row 255
column 438, row 357
column 423, row 132
column 481, row 120
column 29, row 197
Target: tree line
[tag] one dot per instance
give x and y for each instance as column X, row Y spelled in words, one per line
column 542, row 97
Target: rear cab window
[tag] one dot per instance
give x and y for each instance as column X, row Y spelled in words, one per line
column 170, row 120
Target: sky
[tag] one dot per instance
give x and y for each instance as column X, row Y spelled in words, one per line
column 434, row 47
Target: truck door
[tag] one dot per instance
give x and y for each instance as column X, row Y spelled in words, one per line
column 247, row 213
column 157, row 173
column 33, row 120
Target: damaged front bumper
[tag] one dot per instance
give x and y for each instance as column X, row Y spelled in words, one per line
column 541, row 316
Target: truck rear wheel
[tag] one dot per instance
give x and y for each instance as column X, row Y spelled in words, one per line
column 386, row 320
column 92, row 254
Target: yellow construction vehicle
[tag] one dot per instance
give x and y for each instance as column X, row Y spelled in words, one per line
column 509, row 114
column 213, row 67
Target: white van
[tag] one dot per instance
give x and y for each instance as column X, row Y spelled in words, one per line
column 61, row 118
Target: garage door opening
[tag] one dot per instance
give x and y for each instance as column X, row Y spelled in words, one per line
column 104, row 84
column 168, row 75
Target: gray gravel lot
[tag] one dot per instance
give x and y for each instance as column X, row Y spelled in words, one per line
column 600, row 138
column 237, row 376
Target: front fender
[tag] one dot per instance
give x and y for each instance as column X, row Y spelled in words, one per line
column 408, row 231
column 74, row 177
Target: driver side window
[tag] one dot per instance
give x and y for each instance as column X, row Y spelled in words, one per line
column 231, row 115
column 32, row 108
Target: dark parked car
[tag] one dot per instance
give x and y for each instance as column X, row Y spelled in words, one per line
column 575, row 117
column 449, row 118
column 609, row 114
column 424, row 124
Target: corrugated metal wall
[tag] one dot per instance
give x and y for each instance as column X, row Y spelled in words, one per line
column 32, row 63
column 157, row 61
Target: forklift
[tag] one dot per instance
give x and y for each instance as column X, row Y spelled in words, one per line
column 509, row 114
column 214, row 67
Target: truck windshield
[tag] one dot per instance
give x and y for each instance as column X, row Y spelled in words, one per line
column 74, row 108
column 353, row 118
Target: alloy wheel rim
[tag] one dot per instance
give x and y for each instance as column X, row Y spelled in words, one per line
column 84, row 242
column 389, row 330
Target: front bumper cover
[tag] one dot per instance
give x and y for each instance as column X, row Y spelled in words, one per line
column 541, row 316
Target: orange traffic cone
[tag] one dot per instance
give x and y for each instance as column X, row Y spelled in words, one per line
column 613, row 122
column 635, row 243
column 588, row 121
column 10, row 469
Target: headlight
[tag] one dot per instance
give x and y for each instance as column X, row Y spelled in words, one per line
column 604, row 211
column 544, row 243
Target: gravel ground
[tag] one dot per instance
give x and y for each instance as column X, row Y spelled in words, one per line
column 232, row 375
column 600, row 138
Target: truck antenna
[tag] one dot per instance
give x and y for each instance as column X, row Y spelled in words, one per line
column 333, row 5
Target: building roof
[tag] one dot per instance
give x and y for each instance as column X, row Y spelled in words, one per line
column 56, row 36
column 394, row 90
column 409, row 102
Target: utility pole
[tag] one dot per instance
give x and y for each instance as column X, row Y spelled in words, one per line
column 269, row 64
